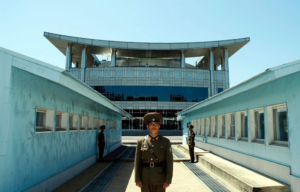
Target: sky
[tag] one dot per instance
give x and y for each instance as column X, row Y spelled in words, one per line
column 272, row 25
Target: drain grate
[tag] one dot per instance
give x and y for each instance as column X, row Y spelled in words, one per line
column 103, row 180
column 177, row 153
column 210, row 182
column 127, row 153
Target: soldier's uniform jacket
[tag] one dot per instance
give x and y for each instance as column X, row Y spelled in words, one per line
column 101, row 139
column 191, row 139
column 163, row 151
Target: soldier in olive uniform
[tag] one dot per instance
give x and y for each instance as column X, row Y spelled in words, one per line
column 153, row 158
column 101, row 143
column 191, row 143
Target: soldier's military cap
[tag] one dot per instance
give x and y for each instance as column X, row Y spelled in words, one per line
column 191, row 126
column 102, row 127
column 153, row 117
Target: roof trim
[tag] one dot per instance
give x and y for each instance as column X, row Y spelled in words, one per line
column 61, row 77
column 146, row 45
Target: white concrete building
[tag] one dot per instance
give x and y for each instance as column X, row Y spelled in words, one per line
column 143, row 77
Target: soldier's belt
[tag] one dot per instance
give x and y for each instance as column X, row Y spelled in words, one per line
column 152, row 164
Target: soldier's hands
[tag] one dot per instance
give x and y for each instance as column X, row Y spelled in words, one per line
column 139, row 184
column 166, row 185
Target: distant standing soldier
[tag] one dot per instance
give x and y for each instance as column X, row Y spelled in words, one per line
column 153, row 162
column 191, row 143
column 101, row 143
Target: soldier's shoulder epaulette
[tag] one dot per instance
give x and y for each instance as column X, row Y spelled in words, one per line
column 141, row 139
column 165, row 139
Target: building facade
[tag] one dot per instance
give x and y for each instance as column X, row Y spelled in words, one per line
column 255, row 123
column 144, row 77
column 49, row 122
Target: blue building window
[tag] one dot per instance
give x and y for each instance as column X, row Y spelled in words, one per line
column 259, row 124
column 244, row 125
column 280, row 122
column 153, row 93
column 220, row 90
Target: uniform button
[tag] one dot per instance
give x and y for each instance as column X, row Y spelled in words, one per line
column 152, row 145
column 151, row 159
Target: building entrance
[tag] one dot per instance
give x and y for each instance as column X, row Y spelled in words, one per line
column 169, row 120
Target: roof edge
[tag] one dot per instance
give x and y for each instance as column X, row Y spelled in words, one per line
column 147, row 45
column 273, row 74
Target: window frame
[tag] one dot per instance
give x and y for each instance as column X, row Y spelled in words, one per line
column 49, row 120
column 222, row 127
column 83, row 123
column 75, row 118
column 276, row 125
column 214, row 126
column 90, row 126
column 257, row 125
column 232, row 126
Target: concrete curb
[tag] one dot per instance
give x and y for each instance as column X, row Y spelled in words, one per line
column 233, row 180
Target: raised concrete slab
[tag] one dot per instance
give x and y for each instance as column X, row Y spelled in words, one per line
column 240, row 177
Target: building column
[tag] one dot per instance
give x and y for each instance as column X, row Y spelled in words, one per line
column 113, row 57
column 226, row 68
column 251, row 125
column 83, row 63
column 68, row 57
column 182, row 60
column 238, row 128
column 211, row 68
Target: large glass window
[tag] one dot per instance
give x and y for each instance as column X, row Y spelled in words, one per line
column 220, row 90
column 280, row 123
column 137, row 122
column 153, row 93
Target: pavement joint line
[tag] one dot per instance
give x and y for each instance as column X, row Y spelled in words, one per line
column 130, row 150
column 107, row 183
column 122, row 153
column 81, row 190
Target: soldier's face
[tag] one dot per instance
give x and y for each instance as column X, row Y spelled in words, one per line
column 153, row 126
column 190, row 129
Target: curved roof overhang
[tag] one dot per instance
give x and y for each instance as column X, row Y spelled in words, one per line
column 143, row 50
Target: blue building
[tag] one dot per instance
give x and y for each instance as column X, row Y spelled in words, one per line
column 49, row 121
column 143, row 77
column 255, row 123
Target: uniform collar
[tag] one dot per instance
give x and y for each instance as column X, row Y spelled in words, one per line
column 151, row 138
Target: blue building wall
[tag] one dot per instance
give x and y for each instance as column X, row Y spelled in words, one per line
column 264, row 90
column 28, row 158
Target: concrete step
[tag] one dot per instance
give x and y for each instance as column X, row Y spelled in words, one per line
column 240, row 177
